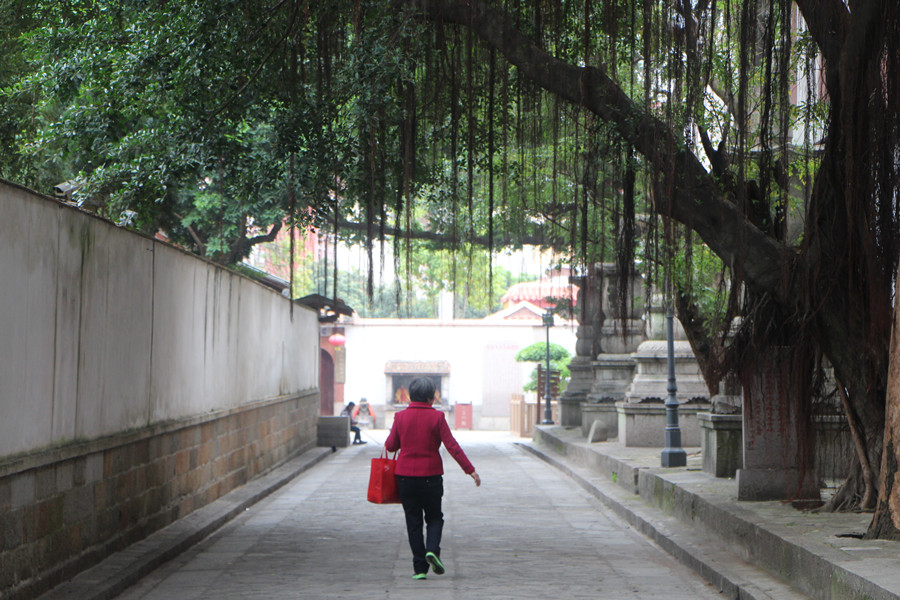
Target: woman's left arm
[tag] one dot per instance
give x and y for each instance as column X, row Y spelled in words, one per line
column 453, row 447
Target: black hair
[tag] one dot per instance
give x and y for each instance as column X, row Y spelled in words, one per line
column 351, row 405
column 421, row 389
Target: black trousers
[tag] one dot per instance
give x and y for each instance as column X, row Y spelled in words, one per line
column 421, row 499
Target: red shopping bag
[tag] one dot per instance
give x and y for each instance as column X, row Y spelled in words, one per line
column 382, row 481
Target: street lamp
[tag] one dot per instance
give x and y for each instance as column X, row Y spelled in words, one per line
column 548, row 412
column 673, row 455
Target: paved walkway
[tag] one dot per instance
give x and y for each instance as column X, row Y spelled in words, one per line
column 528, row 532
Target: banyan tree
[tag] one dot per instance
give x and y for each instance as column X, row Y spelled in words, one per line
column 743, row 153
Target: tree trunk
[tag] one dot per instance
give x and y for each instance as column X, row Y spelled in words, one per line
column 886, row 522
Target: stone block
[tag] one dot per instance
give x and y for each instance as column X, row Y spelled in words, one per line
column 721, row 443
column 597, row 432
column 207, row 432
column 777, row 463
column 182, row 461
column 603, row 412
column 93, row 468
column 11, row 528
column 78, row 504
column 205, row 452
column 189, row 437
column 22, row 489
column 643, row 424
column 49, row 517
column 141, row 454
column 333, row 432
column 116, row 460
column 5, row 493
column 45, row 483
column 65, row 476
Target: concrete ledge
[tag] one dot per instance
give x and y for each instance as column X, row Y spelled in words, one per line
column 815, row 552
column 619, row 470
column 122, row 570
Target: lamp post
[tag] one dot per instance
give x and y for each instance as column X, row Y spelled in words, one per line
column 548, row 412
column 673, row 455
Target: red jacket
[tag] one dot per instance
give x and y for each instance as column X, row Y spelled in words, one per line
column 418, row 432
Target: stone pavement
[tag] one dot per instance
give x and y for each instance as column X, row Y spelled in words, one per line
column 530, row 531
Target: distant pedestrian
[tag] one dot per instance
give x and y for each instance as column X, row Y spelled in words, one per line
column 418, row 432
column 364, row 413
column 354, row 426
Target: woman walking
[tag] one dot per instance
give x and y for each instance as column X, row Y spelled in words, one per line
column 418, row 433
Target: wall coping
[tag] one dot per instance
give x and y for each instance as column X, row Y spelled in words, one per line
column 634, row 408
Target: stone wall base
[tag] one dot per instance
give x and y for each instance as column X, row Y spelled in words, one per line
column 65, row 509
column 775, row 484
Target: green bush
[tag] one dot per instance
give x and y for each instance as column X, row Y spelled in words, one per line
column 537, row 353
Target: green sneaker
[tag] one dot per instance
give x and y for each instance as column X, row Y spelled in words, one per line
column 436, row 565
column 420, row 576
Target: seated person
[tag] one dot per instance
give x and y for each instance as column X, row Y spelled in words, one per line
column 354, row 426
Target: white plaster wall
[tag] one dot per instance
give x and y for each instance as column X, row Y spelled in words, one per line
column 27, row 315
column 103, row 330
column 482, row 368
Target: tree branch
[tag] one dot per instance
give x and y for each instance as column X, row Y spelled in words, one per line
column 430, row 236
column 242, row 244
column 201, row 247
column 693, row 198
column 828, row 22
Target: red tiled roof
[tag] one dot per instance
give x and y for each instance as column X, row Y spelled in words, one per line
column 536, row 291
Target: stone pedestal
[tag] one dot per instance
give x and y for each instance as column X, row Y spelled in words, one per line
column 612, row 374
column 778, row 457
column 651, row 376
column 576, row 392
column 721, row 443
column 581, row 374
column 617, row 337
column 643, row 424
column 618, row 326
